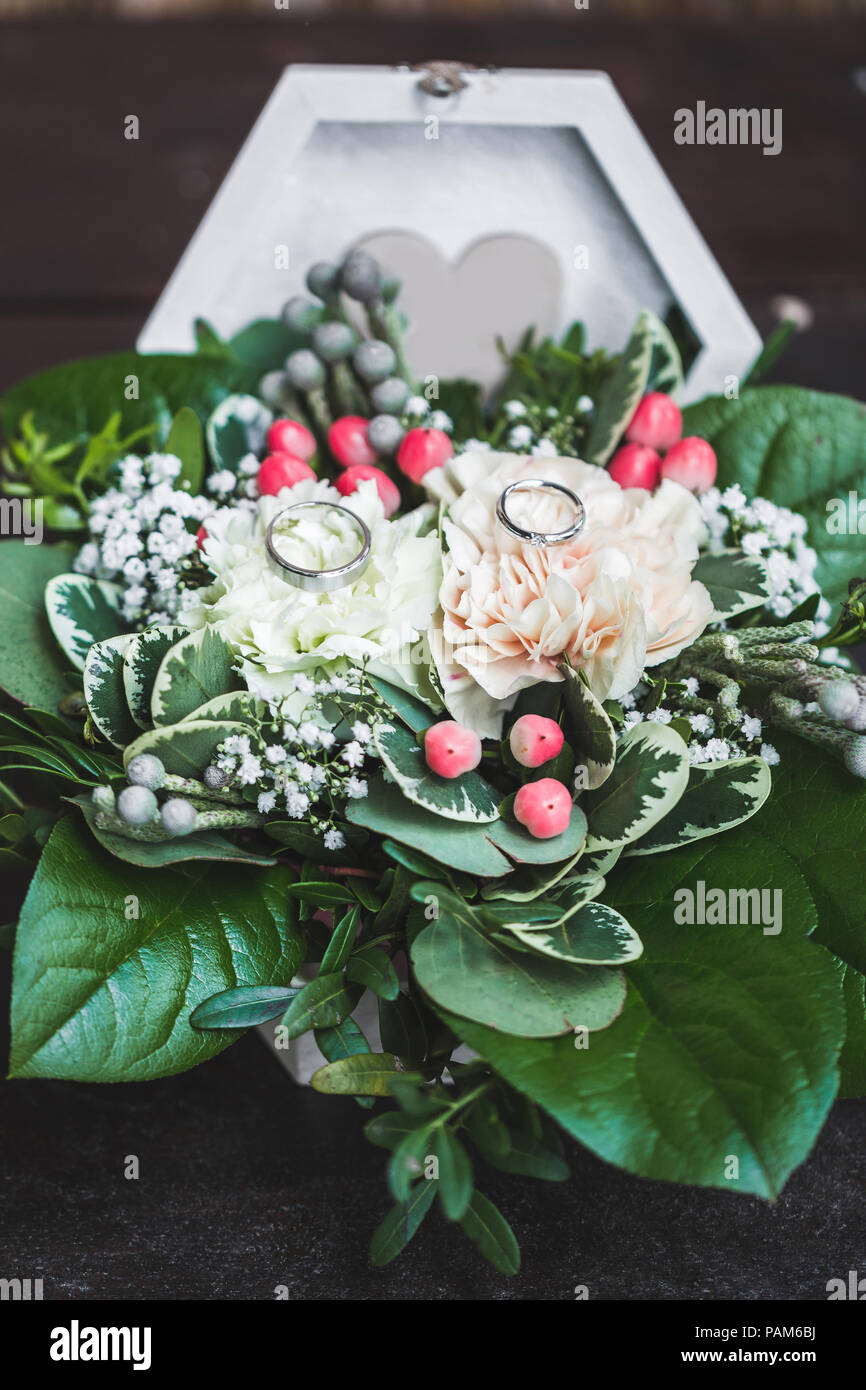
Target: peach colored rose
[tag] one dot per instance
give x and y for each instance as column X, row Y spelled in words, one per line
column 616, row 599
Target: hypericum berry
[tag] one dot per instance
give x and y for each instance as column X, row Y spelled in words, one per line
column 692, row 463
column 421, row 450
column 287, row 436
column 361, row 277
column 634, row 465
column 146, row 770
column 347, row 440
column 214, row 778
column 391, row 395
column 301, row 314
column 334, row 342
column 388, row 491
column 323, row 279
column 374, row 360
column 304, row 370
column 279, row 471
column 543, row 807
column 200, row 537
column 178, row 816
column 385, row 434
column 136, row 805
column 839, row 699
column 535, row 740
column 451, row 749
column 657, row 422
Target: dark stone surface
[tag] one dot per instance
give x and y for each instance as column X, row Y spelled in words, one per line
column 246, row 1180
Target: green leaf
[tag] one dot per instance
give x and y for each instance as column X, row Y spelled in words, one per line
column 76, row 399
column 524, row 848
column 456, row 844
column 24, row 572
column 323, row 1003
column 185, row 749
column 801, row 449
column 401, row 1224
column 666, row 367
column 82, row 611
column 110, row 960
column 237, row 427
column 728, row 1043
column 339, row 947
column 467, row 972
column 141, row 662
column 735, row 582
column 390, row 1129
column 588, row 729
column 367, row 1074
column 595, row 935
column 622, row 392
column 196, row 669
column 265, row 343
column 718, row 797
column 372, row 968
column 487, row 1228
column 239, row 705
column 852, row 1062
column 413, row 713
column 244, row 1007
column 455, row 1173
column 186, row 442
column 402, row 1028
column 649, row 777
column 464, row 798
column 529, row 1158
column 341, row 1040
column 104, row 690
column 155, row 854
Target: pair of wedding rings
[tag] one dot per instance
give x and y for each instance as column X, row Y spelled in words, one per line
column 324, row 580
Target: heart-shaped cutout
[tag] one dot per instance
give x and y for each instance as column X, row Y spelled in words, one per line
column 498, row 287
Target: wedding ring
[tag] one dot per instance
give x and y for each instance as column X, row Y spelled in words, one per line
column 319, row 581
column 540, row 537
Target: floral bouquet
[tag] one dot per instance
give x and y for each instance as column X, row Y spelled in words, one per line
column 508, row 748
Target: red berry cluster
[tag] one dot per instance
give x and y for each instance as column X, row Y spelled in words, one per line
column 656, row 428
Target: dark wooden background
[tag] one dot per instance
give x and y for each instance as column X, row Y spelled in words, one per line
column 246, row 1181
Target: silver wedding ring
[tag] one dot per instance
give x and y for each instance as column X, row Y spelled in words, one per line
column 319, row 581
column 540, row 537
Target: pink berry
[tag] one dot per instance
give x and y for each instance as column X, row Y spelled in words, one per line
column 279, row 471
column 200, row 537
column 544, row 807
column 387, row 489
column 347, row 439
column 535, row 740
column 290, row 437
column 422, row 450
column 692, row 462
column 657, row 422
column 450, row 749
column 634, row 465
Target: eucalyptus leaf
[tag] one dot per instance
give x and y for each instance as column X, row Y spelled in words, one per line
column 455, row 844
column 413, row 712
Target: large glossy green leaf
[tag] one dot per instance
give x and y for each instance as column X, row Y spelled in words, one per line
column 727, row 1046
column 800, row 449
column 466, row 971
column 82, row 611
column 718, row 797
column 466, row 798
column 649, row 777
column 110, row 960
column 25, row 570
column 197, row 669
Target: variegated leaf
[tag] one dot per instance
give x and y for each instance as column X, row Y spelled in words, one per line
column 240, row 705
column 571, row 895
column 593, row 935
column 82, row 611
column 194, row 671
column 621, row 393
column 140, row 665
column 104, row 692
column 466, row 798
column 734, row 581
column 649, row 777
column 718, row 796
column 237, row 427
column 598, row 859
column 589, row 731
column 186, row 749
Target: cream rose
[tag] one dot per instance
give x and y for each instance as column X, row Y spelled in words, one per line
column 278, row 630
column 616, row 599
